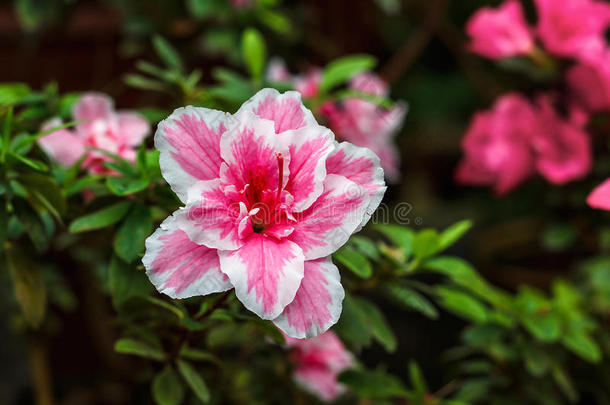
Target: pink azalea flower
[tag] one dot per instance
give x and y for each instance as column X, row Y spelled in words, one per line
column 573, row 28
column 589, row 82
column 269, row 196
column 563, row 150
column 364, row 123
column 496, row 146
column 600, row 196
column 500, row 33
column 102, row 128
column 318, row 362
column 277, row 72
column 309, row 83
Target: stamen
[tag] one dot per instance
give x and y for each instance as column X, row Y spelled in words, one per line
column 280, row 180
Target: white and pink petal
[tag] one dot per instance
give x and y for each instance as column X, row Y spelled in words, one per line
column 332, row 218
column 308, row 147
column 180, row 268
column 62, row 145
column 189, row 142
column 362, row 166
column 266, row 273
column 286, row 110
column 317, row 303
column 210, row 218
column 132, row 127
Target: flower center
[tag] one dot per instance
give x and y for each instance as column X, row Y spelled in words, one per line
column 265, row 200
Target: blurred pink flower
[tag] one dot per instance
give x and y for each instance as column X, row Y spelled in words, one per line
column 269, row 196
column 277, row 72
column 562, row 148
column 600, row 196
column 308, row 84
column 589, row 82
column 496, row 146
column 102, row 128
column 501, row 32
column 318, row 362
column 365, row 123
column 573, row 28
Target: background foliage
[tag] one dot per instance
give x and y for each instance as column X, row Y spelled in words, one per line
column 508, row 307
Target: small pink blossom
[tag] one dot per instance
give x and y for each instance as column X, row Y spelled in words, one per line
column 496, row 146
column 573, row 28
column 562, row 148
column 101, row 127
column 366, row 124
column 318, row 362
column 269, row 196
column 589, row 82
column 501, row 32
column 308, row 84
column 277, row 72
column 600, row 196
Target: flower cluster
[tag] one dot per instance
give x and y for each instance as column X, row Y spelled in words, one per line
column 357, row 120
column 545, row 134
column 318, row 362
column 99, row 128
column 269, row 196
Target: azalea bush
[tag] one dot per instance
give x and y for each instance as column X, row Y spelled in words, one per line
column 262, row 230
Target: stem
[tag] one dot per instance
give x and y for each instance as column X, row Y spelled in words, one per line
column 41, row 376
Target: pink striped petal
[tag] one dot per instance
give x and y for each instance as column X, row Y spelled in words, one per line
column 189, row 142
column 308, row 147
column 361, row 166
column 180, row 268
column 250, row 153
column 63, row 146
column 317, row 304
column 600, row 196
column 266, row 273
column 332, row 218
column 285, row 110
column 210, row 218
column 132, row 128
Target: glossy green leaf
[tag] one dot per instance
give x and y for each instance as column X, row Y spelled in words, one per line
column 341, row 70
column 167, row 53
column 354, row 261
column 129, row 238
column 450, row 235
column 194, row 380
column 410, row 299
column 102, row 218
column 167, row 387
column 253, row 52
column 138, row 348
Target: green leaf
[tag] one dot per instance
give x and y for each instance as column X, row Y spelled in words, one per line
column 31, row 163
column 366, row 246
column 32, row 223
column 420, row 388
column 354, row 261
column 138, row 348
column 13, row 93
column 462, row 304
column 102, row 218
column 373, row 384
column 142, row 82
column 43, row 190
column 544, row 326
column 167, row 388
column 122, row 186
column 450, row 235
column 126, row 282
column 167, row 53
column 537, row 361
column 582, row 345
column 199, row 355
column 269, row 329
column 6, row 133
column 28, row 286
column 425, row 243
column 194, row 380
column 353, row 324
column 378, row 324
column 564, row 382
column 401, row 236
column 341, row 70
column 130, row 237
column 410, row 299
column 253, row 52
